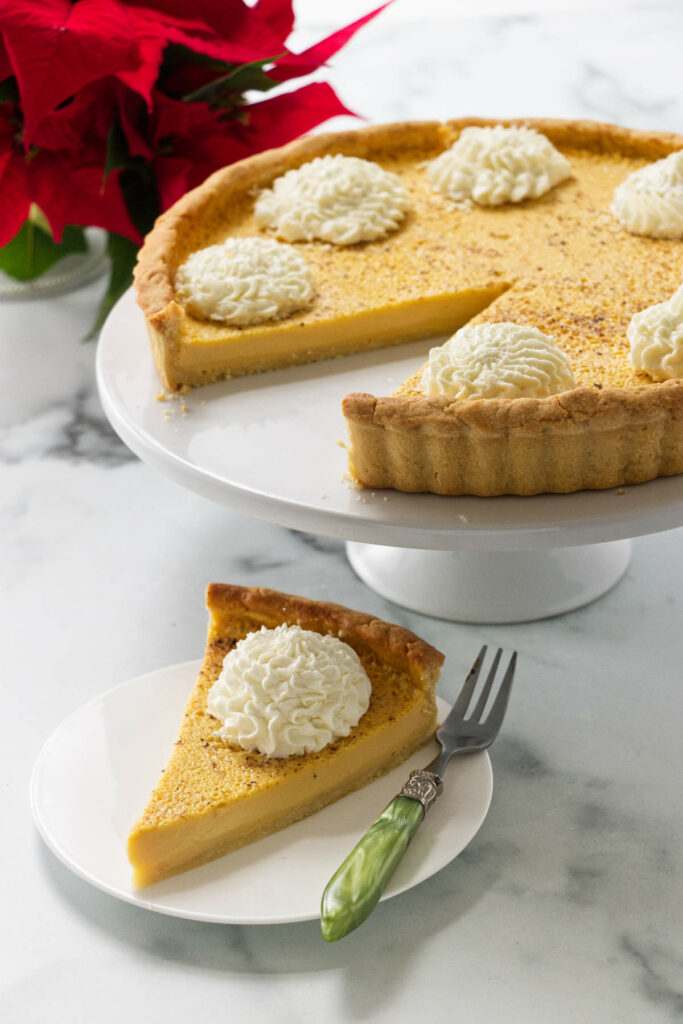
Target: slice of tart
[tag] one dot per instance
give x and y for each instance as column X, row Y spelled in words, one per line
column 214, row 796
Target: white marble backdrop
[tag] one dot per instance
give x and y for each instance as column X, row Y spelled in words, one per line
column 567, row 907
column 618, row 65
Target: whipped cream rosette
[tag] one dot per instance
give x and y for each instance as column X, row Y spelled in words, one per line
column 244, row 281
column 497, row 360
column 288, row 691
column 338, row 199
column 656, row 339
column 650, row 201
column 492, row 166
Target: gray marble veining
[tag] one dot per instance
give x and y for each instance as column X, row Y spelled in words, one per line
column 75, row 430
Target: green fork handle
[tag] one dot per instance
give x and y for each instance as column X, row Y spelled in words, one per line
column 355, row 888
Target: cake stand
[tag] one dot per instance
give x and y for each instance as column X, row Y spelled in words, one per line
column 271, row 446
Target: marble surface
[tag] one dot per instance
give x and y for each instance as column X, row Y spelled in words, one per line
column 567, row 907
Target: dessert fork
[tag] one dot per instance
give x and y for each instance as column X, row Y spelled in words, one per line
column 354, row 890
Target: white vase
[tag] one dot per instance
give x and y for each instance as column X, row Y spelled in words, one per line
column 70, row 272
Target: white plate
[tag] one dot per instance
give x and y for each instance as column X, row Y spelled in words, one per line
column 267, row 446
column 95, row 772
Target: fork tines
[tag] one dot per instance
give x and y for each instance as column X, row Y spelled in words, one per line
column 497, row 712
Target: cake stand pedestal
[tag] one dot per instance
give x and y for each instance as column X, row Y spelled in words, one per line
column 271, row 446
column 491, row 586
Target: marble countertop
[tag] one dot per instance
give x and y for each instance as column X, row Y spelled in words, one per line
column 567, row 906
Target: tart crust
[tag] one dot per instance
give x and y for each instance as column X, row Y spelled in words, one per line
column 582, row 439
column 615, row 428
column 214, row 797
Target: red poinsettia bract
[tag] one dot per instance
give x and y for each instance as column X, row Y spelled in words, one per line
column 111, row 109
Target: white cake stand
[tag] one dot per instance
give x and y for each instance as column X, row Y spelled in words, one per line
column 272, row 446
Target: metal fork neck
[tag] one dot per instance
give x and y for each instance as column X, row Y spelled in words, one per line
column 438, row 765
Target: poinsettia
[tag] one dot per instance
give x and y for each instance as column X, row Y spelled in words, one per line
column 111, row 109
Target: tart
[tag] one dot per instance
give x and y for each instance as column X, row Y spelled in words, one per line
column 559, row 263
column 214, row 797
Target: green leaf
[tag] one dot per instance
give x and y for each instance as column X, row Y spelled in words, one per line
column 122, row 255
column 252, row 76
column 141, row 196
column 140, row 192
column 238, row 80
column 32, row 251
column 176, row 55
column 117, row 154
column 9, row 90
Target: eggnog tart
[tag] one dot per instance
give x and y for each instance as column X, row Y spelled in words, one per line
column 214, row 795
column 558, row 262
